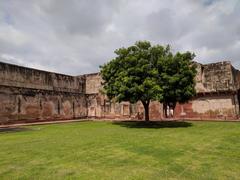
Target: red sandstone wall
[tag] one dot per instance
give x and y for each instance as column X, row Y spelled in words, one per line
column 28, row 105
column 236, row 77
column 17, row 76
column 221, row 106
column 215, row 77
column 33, row 95
column 209, row 107
column 210, row 78
column 93, row 83
column 100, row 107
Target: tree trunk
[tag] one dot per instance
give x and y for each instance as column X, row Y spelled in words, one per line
column 146, row 109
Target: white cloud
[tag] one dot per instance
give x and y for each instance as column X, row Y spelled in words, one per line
column 77, row 36
column 10, row 35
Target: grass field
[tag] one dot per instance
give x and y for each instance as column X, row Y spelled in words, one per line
column 105, row 150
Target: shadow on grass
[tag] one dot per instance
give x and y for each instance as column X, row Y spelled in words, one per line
column 13, row 129
column 154, row 125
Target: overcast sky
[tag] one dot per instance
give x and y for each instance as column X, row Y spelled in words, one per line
column 76, row 36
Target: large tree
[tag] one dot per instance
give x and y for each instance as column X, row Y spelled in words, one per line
column 133, row 74
column 143, row 72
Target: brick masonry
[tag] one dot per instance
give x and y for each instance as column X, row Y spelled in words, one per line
column 30, row 95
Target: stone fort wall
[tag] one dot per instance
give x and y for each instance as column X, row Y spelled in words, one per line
column 217, row 86
column 28, row 95
column 32, row 95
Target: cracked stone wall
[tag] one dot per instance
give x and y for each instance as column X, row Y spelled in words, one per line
column 32, row 95
column 215, row 77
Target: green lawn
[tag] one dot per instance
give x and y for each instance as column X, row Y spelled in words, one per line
column 105, row 150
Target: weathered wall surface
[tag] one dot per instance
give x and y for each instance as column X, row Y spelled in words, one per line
column 31, row 95
column 93, row 83
column 17, row 76
column 236, row 77
column 207, row 107
column 216, row 84
column 34, row 105
column 221, row 106
column 99, row 107
column 215, row 77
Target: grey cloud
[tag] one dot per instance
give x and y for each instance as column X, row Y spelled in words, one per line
column 80, row 16
column 168, row 25
column 76, row 36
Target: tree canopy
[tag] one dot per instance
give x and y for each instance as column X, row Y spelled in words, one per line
column 143, row 72
column 177, row 79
